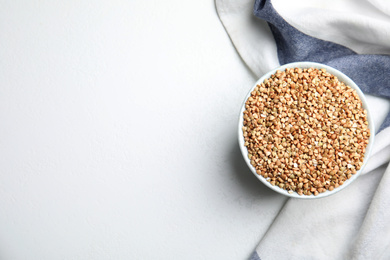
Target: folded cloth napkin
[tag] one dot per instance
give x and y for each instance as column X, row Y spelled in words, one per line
column 354, row 37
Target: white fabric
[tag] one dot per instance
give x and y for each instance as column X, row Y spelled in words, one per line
column 251, row 36
column 356, row 24
column 354, row 223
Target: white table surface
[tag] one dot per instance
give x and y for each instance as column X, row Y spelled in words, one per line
column 118, row 134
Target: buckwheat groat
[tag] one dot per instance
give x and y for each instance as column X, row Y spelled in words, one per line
column 305, row 131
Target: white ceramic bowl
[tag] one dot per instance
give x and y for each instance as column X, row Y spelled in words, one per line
column 343, row 78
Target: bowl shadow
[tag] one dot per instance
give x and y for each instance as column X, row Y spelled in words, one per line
column 245, row 178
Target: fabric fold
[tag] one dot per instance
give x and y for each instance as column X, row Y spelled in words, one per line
column 251, row 37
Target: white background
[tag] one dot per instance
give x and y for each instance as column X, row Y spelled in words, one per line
column 118, row 137
column 118, row 134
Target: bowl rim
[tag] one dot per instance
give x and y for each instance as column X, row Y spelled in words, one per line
column 342, row 77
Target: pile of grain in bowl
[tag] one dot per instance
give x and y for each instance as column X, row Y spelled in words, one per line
column 305, row 131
